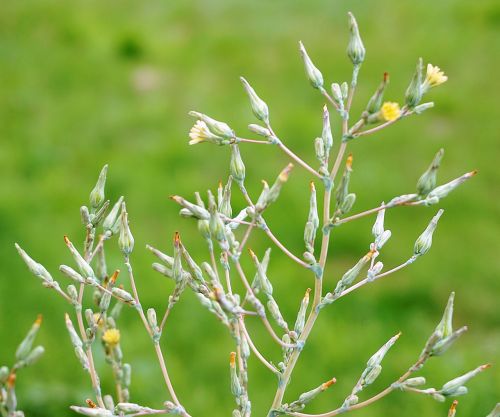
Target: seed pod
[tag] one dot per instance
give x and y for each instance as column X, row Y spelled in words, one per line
column 414, row 91
column 355, row 49
column 97, row 194
column 313, row 74
column 424, row 241
column 259, row 107
column 126, row 240
column 24, row 347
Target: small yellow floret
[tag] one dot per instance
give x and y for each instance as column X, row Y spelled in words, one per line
column 111, row 337
column 390, row 111
column 434, row 76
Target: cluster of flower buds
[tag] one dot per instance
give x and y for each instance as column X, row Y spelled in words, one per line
column 444, row 335
column 371, row 372
column 26, row 355
column 238, row 389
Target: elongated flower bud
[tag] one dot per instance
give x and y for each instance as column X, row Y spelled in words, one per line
column 275, row 312
column 259, row 107
column 382, row 239
column 415, row 382
column 443, row 190
column 34, row 355
column 259, row 130
column 112, row 222
column 301, row 316
column 312, row 221
column 308, row 396
column 25, row 346
column 378, row 226
column 337, row 94
column 313, row 74
column 414, row 91
column 123, row 295
column 75, row 339
column 355, row 49
column 375, row 102
column 97, row 194
column 326, row 133
column 427, row 181
column 126, row 240
column 319, row 148
column 71, row 273
column 377, row 358
column 263, row 282
column 34, row 267
column 343, row 188
column 83, row 265
column 198, row 211
column 424, row 241
column 454, row 386
column 274, row 191
column 236, row 388
column 349, row 277
column 237, row 167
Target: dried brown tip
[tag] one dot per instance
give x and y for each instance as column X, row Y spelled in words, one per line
column 313, row 187
column 66, row 317
column 232, row 359
column 114, row 276
column 220, row 184
column 176, row 198
column 91, row 403
column 472, row 173
column 454, row 405
column 251, row 252
column 308, row 291
column 11, row 380
column 325, row 108
column 66, row 240
column 485, row 366
column 285, row 173
column 386, row 77
column 38, row 320
column 177, row 239
column 348, row 162
column 328, row 384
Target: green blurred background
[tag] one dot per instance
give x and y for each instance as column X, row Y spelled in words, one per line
column 85, row 83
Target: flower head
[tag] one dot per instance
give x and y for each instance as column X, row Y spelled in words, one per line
column 111, row 337
column 390, row 111
column 434, row 77
column 200, row 133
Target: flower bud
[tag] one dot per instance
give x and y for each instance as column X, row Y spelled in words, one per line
column 423, row 107
column 337, row 95
column 25, row 346
column 274, row 191
column 301, row 316
column 75, row 339
column 375, row 102
column 126, row 240
column 34, row 267
column 112, row 222
column 214, row 126
column 427, row 181
column 326, row 133
column 414, row 91
column 83, row 266
column 382, row 239
column 424, row 241
column 349, row 277
column 236, row 388
column 415, row 382
column 123, row 295
column 97, row 194
column 237, row 167
column 378, row 226
column 443, row 190
column 456, row 386
column 373, row 272
column 34, row 355
column 355, row 49
column 259, row 130
column 259, row 107
column 313, row 73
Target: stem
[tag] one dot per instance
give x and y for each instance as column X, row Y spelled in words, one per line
column 366, row 280
column 264, row 319
column 284, row 249
column 298, row 160
column 404, row 114
column 88, row 348
column 371, row 400
column 255, row 350
column 260, row 142
column 158, row 351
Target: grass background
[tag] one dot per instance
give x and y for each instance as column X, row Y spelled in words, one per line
column 85, row 83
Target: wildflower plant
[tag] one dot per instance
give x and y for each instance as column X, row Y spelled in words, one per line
column 214, row 280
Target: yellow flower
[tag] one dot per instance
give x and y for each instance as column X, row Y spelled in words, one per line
column 390, row 111
column 200, row 133
column 434, row 77
column 111, row 337
column 99, row 320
